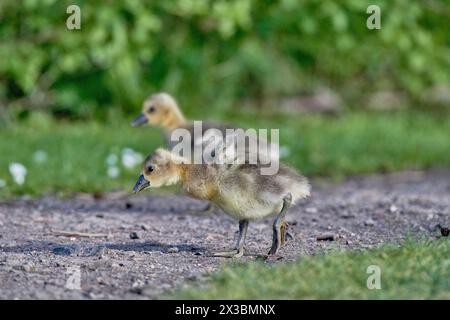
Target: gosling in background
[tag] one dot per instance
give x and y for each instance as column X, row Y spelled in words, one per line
column 162, row 110
column 240, row 190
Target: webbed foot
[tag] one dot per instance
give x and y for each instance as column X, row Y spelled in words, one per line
column 235, row 254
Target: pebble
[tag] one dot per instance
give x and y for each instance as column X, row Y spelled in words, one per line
column 311, row 210
column 325, row 237
column 128, row 205
column 134, row 235
column 173, row 250
column 29, row 267
column 138, row 283
column 369, row 222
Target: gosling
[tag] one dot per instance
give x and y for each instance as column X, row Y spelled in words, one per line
column 239, row 190
column 162, row 110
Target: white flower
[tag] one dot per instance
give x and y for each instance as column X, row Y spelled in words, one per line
column 2, row 183
column 18, row 172
column 112, row 159
column 113, row 172
column 40, row 156
column 131, row 158
column 127, row 150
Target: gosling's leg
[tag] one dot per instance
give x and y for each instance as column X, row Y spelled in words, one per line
column 279, row 225
column 239, row 250
column 283, row 229
column 285, row 234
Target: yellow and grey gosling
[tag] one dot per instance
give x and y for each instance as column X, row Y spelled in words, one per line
column 162, row 110
column 240, row 190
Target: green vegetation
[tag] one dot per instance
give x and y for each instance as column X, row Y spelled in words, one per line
column 353, row 143
column 215, row 53
column 76, row 153
column 412, row 271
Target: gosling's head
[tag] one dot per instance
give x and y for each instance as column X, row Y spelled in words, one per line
column 162, row 110
column 161, row 168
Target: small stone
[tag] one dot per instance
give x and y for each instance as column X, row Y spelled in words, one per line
column 134, row 235
column 198, row 253
column 311, row 210
column 393, row 209
column 138, row 284
column 369, row 222
column 145, row 227
column 128, row 205
column 100, row 215
column 29, row 267
column 173, row 250
column 325, row 237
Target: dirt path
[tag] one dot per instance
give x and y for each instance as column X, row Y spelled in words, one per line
column 172, row 246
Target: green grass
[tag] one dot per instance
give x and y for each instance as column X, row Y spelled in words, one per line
column 416, row 270
column 77, row 155
column 319, row 145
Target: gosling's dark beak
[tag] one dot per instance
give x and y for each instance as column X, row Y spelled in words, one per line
column 140, row 120
column 141, row 184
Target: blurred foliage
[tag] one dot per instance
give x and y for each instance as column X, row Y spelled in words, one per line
column 215, row 53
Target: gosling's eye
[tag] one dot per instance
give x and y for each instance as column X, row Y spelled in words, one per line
column 150, row 168
column 151, row 109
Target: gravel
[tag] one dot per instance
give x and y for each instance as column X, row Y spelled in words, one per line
column 172, row 246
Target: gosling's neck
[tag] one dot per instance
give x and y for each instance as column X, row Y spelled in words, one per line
column 179, row 171
column 175, row 119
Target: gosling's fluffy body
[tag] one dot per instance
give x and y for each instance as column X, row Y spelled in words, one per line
column 240, row 190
